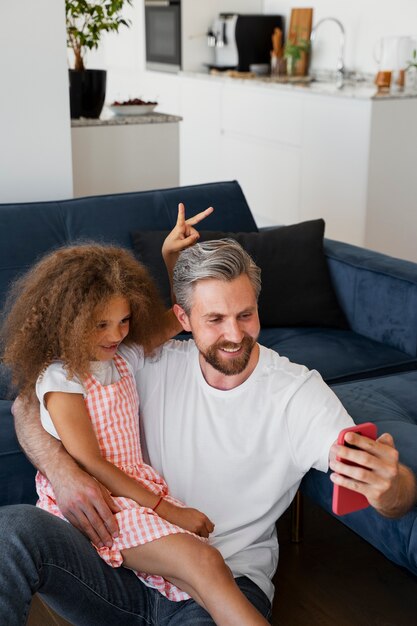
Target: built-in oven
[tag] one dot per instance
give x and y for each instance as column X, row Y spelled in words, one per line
column 163, row 35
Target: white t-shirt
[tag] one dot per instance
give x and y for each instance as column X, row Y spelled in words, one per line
column 55, row 378
column 237, row 455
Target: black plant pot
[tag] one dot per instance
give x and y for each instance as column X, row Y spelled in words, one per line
column 87, row 93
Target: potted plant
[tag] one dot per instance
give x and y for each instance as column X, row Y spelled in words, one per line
column 411, row 73
column 86, row 21
column 293, row 53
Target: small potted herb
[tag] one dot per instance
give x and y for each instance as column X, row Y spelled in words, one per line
column 86, row 21
column 411, row 73
column 293, row 53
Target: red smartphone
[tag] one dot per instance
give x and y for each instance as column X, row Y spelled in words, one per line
column 345, row 500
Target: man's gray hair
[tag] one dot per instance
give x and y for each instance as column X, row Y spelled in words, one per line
column 221, row 259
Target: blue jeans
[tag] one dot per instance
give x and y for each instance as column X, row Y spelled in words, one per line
column 40, row 553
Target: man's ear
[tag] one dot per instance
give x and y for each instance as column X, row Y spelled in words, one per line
column 182, row 317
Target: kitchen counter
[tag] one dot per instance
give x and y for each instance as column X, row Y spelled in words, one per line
column 108, row 119
column 356, row 89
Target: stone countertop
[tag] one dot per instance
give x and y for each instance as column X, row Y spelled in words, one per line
column 356, row 89
column 108, row 119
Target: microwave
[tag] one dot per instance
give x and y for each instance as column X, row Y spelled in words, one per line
column 163, row 35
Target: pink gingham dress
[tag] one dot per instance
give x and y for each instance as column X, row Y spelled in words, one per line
column 114, row 414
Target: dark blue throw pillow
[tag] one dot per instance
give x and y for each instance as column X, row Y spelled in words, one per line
column 296, row 283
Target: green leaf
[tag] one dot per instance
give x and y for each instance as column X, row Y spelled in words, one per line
column 86, row 21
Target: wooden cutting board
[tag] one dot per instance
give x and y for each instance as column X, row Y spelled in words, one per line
column 301, row 22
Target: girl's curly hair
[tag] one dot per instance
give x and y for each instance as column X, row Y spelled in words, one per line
column 50, row 311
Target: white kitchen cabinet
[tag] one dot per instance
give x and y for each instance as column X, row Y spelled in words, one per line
column 299, row 156
column 335, row 165
column 302, row 153
column 391, row 216
column 359, row 161
column 263, row 113
column 226, row 134
column 269, row 176
column 110, row 156
column 200, row 138
column 261, row 147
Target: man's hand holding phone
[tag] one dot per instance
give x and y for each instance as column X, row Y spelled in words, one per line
column 366, row 471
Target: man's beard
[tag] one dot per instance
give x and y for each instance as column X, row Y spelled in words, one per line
column 229, row 366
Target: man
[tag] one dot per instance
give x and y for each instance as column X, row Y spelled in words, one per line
column 231, row 426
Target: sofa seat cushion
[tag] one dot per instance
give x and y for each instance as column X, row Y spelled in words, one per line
column 383, row 400
column 17, row 475
column 339, row 355
column 388, row 401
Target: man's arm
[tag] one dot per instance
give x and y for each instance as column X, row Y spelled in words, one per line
column 83, row 500
column 389, row 486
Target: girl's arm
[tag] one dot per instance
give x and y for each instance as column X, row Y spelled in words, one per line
column 169, row 328
column 72, row 422
column 182, row 236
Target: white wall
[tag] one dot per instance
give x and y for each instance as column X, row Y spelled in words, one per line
column 365, row 21
column 122, row 54
column 35, row 148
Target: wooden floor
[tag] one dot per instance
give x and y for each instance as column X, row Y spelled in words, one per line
column 333, row 578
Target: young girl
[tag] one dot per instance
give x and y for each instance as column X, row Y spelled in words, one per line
column 79, row 325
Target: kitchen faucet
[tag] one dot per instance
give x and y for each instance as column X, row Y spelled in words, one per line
column 340, row 68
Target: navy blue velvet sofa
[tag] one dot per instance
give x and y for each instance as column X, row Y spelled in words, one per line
column 372, row 366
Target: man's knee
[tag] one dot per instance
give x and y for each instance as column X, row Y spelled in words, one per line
column 17, row 517
column 21, row 527
column 26, row 527
column 20, row 516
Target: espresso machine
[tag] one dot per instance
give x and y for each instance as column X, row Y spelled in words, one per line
column 240, row 40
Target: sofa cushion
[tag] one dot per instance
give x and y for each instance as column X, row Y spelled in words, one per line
column 111, row 218
column 384, row 400
column 296, row 285
column 6, row 390
column 17, row 475
column 339, row 355
column 30, row 230
column 27, row 232
column 388, row 401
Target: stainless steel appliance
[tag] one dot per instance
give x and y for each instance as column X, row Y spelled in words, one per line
column 240, row 40
column 163, row 35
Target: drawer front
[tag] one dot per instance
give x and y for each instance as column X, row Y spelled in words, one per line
column 263, row 113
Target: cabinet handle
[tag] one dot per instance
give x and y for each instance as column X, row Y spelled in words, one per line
column 158, row 3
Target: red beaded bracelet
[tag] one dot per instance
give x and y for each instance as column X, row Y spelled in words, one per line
column 158, row 503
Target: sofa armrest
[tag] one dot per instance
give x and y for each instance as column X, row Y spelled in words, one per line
column 378, row 293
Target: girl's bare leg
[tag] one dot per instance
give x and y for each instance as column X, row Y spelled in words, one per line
column 199, row 570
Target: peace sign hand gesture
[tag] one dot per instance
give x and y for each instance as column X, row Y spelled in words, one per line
column 183, row 235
